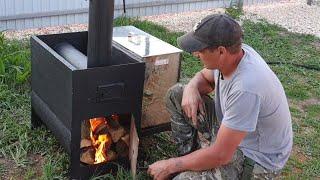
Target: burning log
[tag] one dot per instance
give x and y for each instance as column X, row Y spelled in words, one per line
column 98, row 151
column 85, row 129
column 88, row 155
column 122, row 146
column 101, row 129
column 116, row 130
column 101, row 139
column 116, row 134
column 103, row 133
column 114, row 122
column 98, row 126
column 96, row 122
column 102, row 146
column 85, row 143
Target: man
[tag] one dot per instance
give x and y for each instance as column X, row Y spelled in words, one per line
column 248, row 123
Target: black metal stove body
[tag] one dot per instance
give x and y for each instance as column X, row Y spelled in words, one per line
column 64, row 95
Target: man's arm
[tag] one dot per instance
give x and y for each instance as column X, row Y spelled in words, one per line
column 202, row 83
column 220, row 153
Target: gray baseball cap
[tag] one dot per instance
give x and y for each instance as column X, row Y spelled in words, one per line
column 213, row 30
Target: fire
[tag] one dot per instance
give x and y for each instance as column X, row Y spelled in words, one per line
column 96, row 122
column 101, row 155
column 101, row 142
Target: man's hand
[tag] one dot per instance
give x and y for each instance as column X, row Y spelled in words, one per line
column 202, row 83
column 192, row 103
column 161, row 170
column 218, row 154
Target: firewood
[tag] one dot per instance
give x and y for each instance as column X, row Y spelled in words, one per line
column 88, row 156
column 116, row 133
column 122, row 146
column 111, row 155
column 95, row 122
column 114, row 123
column 126, row 139
column 85, row 129
column 85, row 143
column 101, row 129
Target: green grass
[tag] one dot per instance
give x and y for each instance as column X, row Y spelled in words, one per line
column 234, row 12
column 18, row 143
column 275, row 44
column 313, row 111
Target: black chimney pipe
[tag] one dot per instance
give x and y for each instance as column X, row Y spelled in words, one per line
column 100, row 32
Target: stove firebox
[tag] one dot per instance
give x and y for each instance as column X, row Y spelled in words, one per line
column 63, row 95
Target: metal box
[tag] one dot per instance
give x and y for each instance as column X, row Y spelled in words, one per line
column 63, row 96
column 162, row 71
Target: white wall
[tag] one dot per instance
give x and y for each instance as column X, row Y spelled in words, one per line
column 23, row 14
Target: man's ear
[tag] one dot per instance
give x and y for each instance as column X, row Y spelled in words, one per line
column 222, row 50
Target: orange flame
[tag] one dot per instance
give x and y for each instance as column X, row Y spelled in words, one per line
column 96, row 122
column 101, row 154
column 102, row 142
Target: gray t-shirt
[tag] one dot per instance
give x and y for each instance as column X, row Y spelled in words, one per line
column 253, row 100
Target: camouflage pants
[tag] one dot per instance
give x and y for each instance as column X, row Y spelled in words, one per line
column 189, row 138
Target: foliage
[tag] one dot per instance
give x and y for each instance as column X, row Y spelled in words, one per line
column 15, row 65
column 234, row 12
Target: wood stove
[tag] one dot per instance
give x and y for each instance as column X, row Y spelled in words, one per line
column 81, row 76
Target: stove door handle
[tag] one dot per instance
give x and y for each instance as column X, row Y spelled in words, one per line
column 109, row 92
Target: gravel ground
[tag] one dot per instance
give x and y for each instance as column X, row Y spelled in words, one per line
column 294, row 15
column 181, row 22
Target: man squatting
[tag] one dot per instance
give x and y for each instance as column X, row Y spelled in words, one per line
column 248, row 124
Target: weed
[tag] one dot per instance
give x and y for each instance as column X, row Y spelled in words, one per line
column 234, row 12
column 48, row 170
column 122, row 174
column 314, row 111
column 2, row 170
column 51, row 169
column 19, row 155
column 313, row 168
column 276, row 44
column 15, row 67
column 30, row 174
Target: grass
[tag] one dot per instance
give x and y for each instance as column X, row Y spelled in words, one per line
column 36, row 154
column 234, row 12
